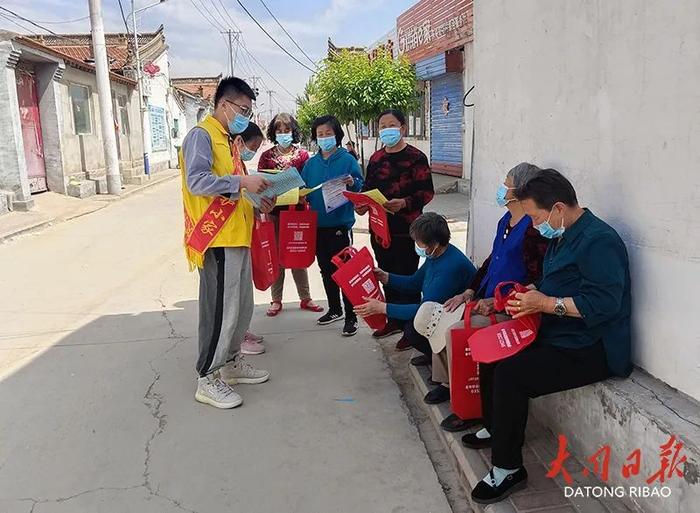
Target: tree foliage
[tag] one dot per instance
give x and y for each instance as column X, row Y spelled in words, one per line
column 354, row 88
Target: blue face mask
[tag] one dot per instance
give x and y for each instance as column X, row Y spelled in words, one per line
column 390, row 136
column 501, row 195
column 247, row 154
column 238, row 125
column 546, row 229
column 284, row 140
column 327, row 143
column 423, row 253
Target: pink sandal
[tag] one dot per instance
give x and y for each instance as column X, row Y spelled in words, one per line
column 308, row 304
column 275, row 309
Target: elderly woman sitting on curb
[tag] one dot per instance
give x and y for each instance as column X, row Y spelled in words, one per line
column 585, row 301
column 517, row 253
column 445, row 272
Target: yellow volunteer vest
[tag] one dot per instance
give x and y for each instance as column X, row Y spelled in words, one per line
column 238, row 228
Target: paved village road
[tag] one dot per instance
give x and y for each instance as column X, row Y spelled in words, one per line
column 97, row 349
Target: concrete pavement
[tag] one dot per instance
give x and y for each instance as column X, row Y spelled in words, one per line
column 97, row 349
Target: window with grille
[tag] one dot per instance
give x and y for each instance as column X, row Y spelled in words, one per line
column 80, row 105
column 123, row 115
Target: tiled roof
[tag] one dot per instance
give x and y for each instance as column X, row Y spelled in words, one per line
column 204, row 87
column 79, row 46
column 70, row 59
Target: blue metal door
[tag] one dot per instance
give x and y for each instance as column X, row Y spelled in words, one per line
column 446, row 118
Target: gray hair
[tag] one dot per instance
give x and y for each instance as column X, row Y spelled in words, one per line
column 522, row 173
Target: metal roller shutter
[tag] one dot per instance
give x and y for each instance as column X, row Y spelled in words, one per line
column 446, row 117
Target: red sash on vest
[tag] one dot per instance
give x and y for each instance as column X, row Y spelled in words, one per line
column 200, row 236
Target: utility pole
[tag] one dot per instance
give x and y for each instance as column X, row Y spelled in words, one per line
column 104, row 96
column 145, row 125
column 269, row 96
column 254, row 85
column 232, row 35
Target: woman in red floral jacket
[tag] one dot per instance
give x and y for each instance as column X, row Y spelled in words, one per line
column 284, row 131
column 402, row 173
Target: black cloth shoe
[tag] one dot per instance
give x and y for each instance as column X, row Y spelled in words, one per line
column 389, row 329
column 421, row 360
column 433, row 382
column 454, row 424
column 350, row 327
column 330, row 317
column 470, row 440
column 403, row 345
column 487, row 494
column 437, row 395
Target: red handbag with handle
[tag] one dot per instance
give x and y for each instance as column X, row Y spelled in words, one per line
column 506, row 338
column 355, row 276
column 297, row 238
column 465, row 395
column 263, row 254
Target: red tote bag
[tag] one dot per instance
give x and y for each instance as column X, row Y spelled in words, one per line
column 297, row 238
column 465, row 395
column 355, row 276
column 378, row 220
column 263, row 254
column 506, row 338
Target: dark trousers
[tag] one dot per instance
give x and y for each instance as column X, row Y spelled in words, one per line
column 329, row 242
column 541, row 369
column 399, row 258
column 415, row 339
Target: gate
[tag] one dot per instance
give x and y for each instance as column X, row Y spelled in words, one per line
column 28, row 101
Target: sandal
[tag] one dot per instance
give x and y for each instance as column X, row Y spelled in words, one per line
column 275, row 309
column 308, row 304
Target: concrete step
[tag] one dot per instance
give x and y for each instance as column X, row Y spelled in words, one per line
column 542, row 494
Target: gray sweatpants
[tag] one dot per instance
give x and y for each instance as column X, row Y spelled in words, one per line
column 225, row 306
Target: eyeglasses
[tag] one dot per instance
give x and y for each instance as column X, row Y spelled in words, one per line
column 245, row 110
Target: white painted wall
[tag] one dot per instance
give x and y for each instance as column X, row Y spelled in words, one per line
column 159, row 86
column 606, row 92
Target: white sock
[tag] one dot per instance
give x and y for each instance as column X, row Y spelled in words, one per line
column 499, row 474
column 483, row 434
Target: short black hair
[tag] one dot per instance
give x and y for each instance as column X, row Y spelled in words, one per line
column 430, row 228
column 251, row 132
column 546, row 188
column 232, row 86
column 335, row 125
column 396, row 113
column 286, row 119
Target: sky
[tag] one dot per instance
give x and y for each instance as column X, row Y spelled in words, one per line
column 196, row 48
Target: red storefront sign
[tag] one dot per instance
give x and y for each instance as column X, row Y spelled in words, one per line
column 431, row 27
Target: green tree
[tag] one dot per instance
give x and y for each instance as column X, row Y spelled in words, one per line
column 309, row 106
column 356, row 89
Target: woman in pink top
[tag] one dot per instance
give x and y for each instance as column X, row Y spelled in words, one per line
column 284, row 131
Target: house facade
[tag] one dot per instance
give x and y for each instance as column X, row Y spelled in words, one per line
column 49, row 122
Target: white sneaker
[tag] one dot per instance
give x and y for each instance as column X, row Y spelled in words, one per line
column 212, row 390
column 240, row 371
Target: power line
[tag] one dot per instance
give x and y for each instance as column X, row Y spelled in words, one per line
column 247, row 53
column 245, row 49
column 64, row 21
column 121, row 10
column 35, row 24
column 8, row 18
column 288, row 34
column 215, row 24
column 233, row 22
column 272, row 38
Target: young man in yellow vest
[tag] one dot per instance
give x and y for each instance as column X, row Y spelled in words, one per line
column 218, row 230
